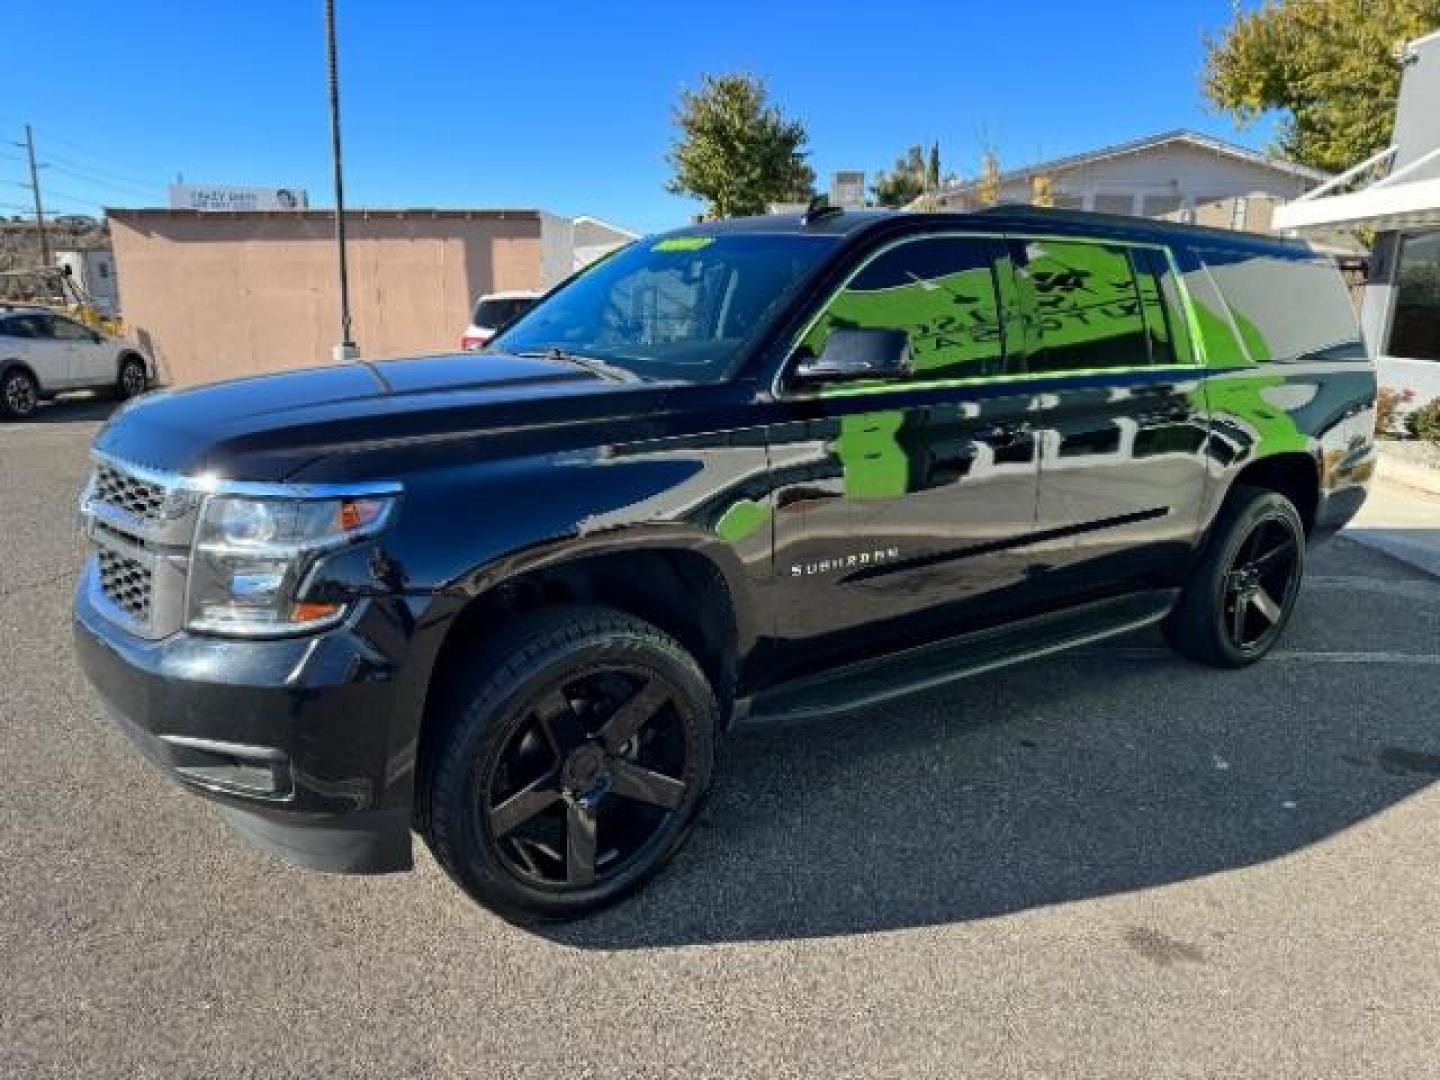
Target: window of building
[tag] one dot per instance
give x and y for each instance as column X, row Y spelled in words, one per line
column 1114, row 204
column 941, row 292
column 1168, row 207
column 1415, row 331
column 1088, row 306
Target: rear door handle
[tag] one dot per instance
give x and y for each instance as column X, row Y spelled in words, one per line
column 1004, row 434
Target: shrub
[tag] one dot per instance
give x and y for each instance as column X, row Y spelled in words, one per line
column 1386, row 404
column 1424, row 422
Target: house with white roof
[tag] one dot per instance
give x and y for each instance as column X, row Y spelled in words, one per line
column 1176, row 175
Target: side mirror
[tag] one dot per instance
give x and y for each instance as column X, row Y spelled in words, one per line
column 851, row 355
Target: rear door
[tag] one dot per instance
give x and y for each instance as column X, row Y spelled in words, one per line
column 901, row 504
column 30, row 337
column 1106, row 341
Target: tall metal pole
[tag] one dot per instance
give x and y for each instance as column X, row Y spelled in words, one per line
column 39, row 208
column 346, row 350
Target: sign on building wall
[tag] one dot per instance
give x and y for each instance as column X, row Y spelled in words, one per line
column 229, row 197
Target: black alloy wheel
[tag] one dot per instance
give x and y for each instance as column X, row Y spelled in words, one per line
column 567, row 763
column 1261, row 583
column 19, row 394
column 1241, row 593
column 588, row 780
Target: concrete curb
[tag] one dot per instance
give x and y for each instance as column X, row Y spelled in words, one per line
column 1421, row 477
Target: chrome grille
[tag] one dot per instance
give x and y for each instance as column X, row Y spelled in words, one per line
column 126, row 582
column 139, row 498
column 140, row 524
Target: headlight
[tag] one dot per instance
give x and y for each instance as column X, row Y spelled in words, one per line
column 252, row 555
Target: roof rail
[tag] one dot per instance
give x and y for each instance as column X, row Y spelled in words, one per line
column 818, row 209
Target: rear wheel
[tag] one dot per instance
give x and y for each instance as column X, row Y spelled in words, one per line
column 132, row 380
column 1241, row 595
column 19, row 394
column 576, row 760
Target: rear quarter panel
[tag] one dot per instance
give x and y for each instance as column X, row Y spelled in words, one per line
column 1287, row 372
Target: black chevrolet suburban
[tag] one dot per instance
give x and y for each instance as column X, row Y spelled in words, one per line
column 765, row 467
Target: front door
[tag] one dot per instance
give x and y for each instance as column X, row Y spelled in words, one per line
column 900, row 504
column 1106, row 344
column 92, row 362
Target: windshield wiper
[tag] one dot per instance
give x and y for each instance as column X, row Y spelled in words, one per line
column 586, row 363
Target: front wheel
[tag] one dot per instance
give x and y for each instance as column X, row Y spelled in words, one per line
column 1242, row 593
column 574, row 763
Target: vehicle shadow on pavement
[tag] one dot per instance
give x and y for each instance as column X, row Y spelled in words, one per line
column 72, row 409
column 1101, row 772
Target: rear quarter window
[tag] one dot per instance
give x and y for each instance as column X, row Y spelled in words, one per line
column 1284, row 309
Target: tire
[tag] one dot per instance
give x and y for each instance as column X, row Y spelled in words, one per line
column 543, row 795
column 131, row 381
column 19, row 394
column 1241, row 595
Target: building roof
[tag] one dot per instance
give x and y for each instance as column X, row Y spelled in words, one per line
column 143, row 212
column 591, row 219
column 1151, row 142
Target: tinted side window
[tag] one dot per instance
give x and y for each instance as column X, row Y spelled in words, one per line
column 28, row 326
column 500, row 312
column 1085, row 305
column 1163, row 310
column 66, row 330
column 940, row 291
column 1287, row 308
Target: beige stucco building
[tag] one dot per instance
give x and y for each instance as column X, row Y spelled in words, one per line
column 213, row 295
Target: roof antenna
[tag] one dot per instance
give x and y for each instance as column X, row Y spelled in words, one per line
column 818, row 209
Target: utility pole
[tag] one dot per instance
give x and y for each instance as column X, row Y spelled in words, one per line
column 39, row 208
column 346, row 350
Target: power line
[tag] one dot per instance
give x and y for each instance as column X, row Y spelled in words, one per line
column 108, row 185
column 67, row 165
column 60, row 196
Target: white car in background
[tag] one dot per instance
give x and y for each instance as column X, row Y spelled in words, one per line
column 492, row 311
column 43, row 353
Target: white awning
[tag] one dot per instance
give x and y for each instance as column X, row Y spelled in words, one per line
column 1384, row 209
column 1406, row 198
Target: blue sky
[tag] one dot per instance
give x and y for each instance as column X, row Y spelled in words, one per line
column 567, row 106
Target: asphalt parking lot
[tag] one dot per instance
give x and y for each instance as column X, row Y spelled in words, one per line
column 1112, row 863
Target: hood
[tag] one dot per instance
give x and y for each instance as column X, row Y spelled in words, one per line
column 270, row 427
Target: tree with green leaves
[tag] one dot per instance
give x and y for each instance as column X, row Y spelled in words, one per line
column 1330, row 66
column 932, row 174
column 735, row 150
column 904, row 183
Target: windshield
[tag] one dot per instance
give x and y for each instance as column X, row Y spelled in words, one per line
column 500, row 310
column 677, row 307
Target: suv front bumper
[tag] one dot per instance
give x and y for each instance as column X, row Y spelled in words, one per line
column 290, row 737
